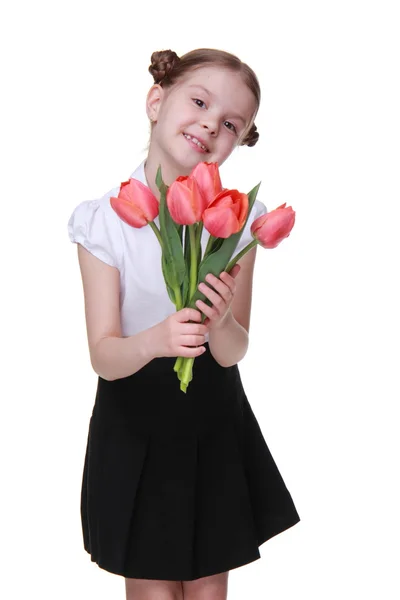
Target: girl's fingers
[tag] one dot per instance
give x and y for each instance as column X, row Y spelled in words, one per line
column 224, row 289
column 209, row 293
column 220, row 297
column 205, row 308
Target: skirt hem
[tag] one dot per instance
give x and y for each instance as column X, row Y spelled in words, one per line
column 207, row 573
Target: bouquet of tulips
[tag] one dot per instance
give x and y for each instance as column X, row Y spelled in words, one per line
column 193, row 202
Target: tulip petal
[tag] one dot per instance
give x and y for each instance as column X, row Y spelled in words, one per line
column 270, row 229
column 128, row 212
column 179, row 205
column 220, row 222
column 208, row 179
column 185, row 202
column 136, row 204
column 231, row 209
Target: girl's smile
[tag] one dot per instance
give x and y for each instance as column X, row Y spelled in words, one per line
column 196, row 144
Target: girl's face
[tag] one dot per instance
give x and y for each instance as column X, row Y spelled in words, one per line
column 202, row 118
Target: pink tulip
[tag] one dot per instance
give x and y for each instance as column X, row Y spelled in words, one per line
column 136, row 204
column 226, row 214
column 273, row 227
column 208, row 178
column 185, row 202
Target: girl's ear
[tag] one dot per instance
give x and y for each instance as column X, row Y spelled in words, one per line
column 154, row 101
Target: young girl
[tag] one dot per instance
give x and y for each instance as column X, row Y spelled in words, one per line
column 177, row 488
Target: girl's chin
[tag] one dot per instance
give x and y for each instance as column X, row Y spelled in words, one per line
column 188, row 163
column 190, row 154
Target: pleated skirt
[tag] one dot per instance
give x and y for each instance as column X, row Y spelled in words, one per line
column 178, row 486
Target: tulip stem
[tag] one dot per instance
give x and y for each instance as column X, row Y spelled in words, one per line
column 184, row 366
column 178, row 363
column 193, row 260
column 209, row 245
column 199, row 233
column 186, row 374
column 233, row 262
column 156, row 231
column 178, row 297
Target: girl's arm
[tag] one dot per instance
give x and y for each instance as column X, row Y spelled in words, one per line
column 229, row 342
column 112, row 356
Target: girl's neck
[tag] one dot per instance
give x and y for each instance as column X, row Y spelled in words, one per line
column 169, row 172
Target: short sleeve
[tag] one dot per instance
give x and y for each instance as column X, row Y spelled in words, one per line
column 95, row 225
column 258, row 209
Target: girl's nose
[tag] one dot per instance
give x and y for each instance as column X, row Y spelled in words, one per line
column 211, row 126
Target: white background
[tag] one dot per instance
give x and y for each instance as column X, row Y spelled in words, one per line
column 322, row 370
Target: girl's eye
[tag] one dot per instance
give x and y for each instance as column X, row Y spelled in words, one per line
column 199, row 102
column 230, row 126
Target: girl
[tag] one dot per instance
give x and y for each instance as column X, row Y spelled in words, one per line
column 177, row 488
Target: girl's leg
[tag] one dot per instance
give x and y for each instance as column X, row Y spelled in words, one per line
column 214, row 587
column 153, row 589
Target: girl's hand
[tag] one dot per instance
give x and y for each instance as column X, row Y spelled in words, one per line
column 221, row 297
column 180, row 334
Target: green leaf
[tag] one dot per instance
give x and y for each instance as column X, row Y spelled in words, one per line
column 170, row 291
column 180, row 231
column 174, row 263
column 185, row 290
column 159, row 181
column 174, row 271
column 216, row 262
column 216, row 245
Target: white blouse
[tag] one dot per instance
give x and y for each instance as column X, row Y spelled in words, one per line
column 136, row 253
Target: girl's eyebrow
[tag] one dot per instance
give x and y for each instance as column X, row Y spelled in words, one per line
column 201, row 87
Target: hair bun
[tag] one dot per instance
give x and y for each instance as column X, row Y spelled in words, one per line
column 251, row 138
column 162, row 63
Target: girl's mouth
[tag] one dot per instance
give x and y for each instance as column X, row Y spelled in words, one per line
column 195, row 142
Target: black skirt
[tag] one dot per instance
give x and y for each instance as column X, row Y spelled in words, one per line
column 178, row 486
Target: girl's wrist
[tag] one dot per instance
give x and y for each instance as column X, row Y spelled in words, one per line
column 149, row 343
column 225, row 321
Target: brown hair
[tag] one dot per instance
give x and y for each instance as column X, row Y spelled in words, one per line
column 167, row 68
